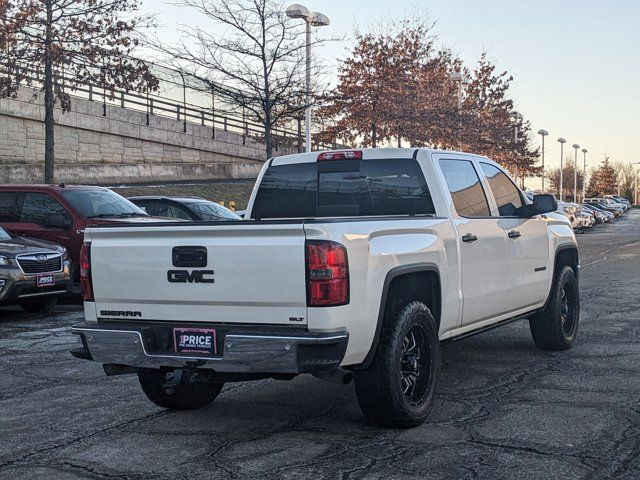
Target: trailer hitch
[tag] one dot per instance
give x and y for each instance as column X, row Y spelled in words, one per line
column 185, row 376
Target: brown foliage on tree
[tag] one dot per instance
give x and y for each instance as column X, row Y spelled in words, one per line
column 397, row 85
column 86, row 41
column 489, row 125
column 384, row 88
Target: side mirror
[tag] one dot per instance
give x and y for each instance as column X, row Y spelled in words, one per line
column 544, row 204
column 57, row 220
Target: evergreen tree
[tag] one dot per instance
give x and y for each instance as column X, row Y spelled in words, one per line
column 603, row 180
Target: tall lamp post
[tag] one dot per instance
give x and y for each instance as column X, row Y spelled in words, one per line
column 575, row 174
column 562, row 142
column 584, row 172
column 461, row 79
column 314, row 19
column 516, row 117
column 543, row 133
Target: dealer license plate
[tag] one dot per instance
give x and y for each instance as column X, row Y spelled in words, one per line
column 45, row 280
column 195, row 340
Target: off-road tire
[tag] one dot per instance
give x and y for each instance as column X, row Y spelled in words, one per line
column 179, row 397
column 556, row 327
column 380, row 387
column 39, row 305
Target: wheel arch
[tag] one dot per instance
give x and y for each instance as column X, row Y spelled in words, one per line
column 420, row 282
column 566, row 255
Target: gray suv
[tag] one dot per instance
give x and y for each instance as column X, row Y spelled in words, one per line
column 33, row 273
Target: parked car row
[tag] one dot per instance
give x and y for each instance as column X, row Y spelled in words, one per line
column 34, row 273
column 593, row 211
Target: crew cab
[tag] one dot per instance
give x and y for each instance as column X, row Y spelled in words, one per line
column 350, row 265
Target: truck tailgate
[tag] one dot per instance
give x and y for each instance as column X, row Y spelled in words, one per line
column 258, row 273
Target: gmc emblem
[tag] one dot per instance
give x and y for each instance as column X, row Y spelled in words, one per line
column 194, row 276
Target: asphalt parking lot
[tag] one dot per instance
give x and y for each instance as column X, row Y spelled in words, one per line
column 504, row 410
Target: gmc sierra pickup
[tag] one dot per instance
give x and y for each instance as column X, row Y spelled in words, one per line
column 350, row 264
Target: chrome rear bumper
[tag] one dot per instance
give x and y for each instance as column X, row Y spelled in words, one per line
column 241, row 352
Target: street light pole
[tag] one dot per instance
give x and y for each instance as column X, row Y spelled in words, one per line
column 562, row 142
column 543, row 133
column 517, row 117
column 575, row 174
column 584, row 172
column 314, row 19
column 307, row 93
column 461, row 79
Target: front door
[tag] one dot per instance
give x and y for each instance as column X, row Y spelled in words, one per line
column 483, row 245
column 528, row 244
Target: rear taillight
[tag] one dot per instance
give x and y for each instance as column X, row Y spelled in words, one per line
column 85, row 272
column 327, row 274
column 343, row 155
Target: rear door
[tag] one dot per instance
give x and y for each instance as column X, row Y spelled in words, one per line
column 483, row 245
column 249, row 273
column 528, row 243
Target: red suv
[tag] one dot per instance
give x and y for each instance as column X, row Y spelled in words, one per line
column 61, row 213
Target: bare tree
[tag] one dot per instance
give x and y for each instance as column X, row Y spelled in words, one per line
column 625, row 178
column 568, row 178
column 252, row 57
column 72, row 42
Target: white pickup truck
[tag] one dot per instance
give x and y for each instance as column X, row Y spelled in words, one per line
column 350, row 265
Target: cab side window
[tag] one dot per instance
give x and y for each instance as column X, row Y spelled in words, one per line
column 505, row 192
column 9, row 207
column 171, row 210
column 37, row 206
column 465, row 187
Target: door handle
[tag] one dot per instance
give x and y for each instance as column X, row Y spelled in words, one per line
column 514, row 234
column 469, row 238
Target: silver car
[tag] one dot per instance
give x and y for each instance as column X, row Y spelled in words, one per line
column 33, row 273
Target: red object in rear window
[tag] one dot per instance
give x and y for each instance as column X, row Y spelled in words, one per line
column 344, row 155
column 85, row 272
column 327, row 274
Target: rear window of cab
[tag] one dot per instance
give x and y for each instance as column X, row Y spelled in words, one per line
column 341, row 188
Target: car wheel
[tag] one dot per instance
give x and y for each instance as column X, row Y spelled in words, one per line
column 41, row 305
column 179, row 397
column 556, row 327
column 397, row 388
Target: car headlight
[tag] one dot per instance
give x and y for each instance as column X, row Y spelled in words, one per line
column 65, row 254
column 4, row 260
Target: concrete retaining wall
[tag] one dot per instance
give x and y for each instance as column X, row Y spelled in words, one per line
column 118, row 147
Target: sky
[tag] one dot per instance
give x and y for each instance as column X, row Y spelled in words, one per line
column 575, row 63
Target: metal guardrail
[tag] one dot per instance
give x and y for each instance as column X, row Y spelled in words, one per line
column 216, row 115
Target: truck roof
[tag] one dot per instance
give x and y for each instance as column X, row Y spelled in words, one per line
column 367, row 153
